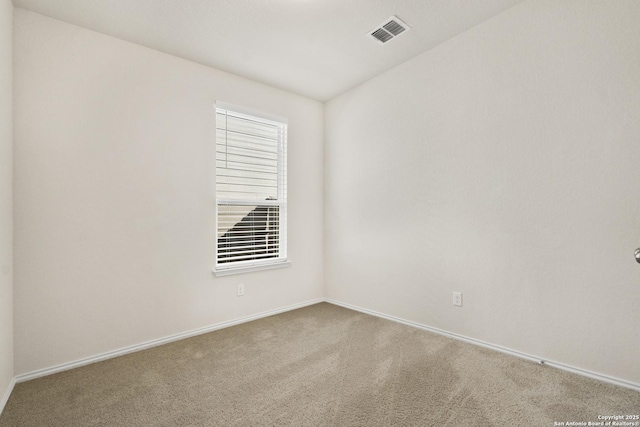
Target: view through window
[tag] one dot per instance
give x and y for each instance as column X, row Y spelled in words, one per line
column 250, row 189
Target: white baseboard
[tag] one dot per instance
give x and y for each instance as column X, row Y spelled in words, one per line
column 154, row 343
column 564, row 367
column 7, row 393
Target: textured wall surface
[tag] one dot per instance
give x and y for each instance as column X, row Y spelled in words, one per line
column 503, row 164
column 6, row 223
column 114, row 207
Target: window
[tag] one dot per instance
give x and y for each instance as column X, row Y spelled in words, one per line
column 251, row 191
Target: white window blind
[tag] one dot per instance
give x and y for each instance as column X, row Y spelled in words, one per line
column 251, row 190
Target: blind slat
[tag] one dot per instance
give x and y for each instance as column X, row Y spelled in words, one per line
column 250, row 188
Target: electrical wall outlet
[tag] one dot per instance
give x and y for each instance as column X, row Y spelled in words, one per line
column 457, row 299
column 241, row 289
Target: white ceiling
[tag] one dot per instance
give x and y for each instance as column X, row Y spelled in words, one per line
column 317, row 48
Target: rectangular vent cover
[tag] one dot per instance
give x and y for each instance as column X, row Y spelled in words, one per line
column 388, row 30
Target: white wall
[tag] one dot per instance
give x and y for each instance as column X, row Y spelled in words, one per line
column 114, row 223
column 6, row 224
column 504, row 164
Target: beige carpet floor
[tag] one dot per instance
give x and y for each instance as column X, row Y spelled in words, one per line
column 321, row 365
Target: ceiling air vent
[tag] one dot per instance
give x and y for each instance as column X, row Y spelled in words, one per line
column 388, row 30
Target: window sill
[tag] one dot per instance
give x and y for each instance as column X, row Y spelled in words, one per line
column 250, row 268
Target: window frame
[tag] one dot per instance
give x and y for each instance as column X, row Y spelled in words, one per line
column 281, row 260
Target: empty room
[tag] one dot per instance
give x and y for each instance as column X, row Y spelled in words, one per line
column 319, row 213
